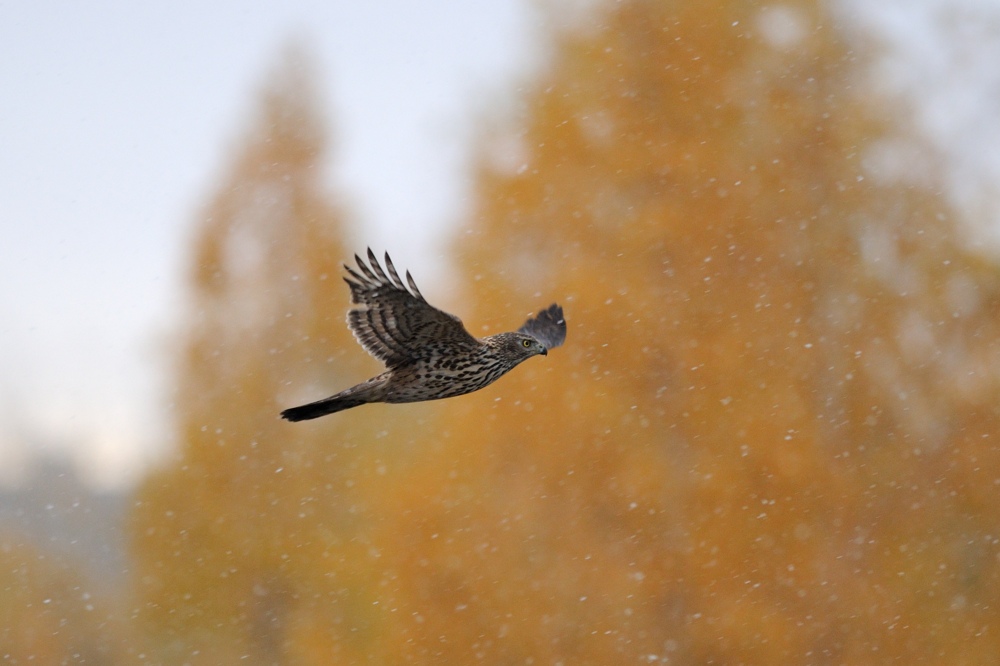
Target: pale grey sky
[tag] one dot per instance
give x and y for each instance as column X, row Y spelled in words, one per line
column 115, row 121
column 116, row 118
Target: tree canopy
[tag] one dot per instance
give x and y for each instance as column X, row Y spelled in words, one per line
column 768, row 439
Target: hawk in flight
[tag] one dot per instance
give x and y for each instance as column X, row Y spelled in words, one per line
column 428, row 354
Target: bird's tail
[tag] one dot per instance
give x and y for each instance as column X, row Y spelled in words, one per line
column 314, row 410
column 372, row 390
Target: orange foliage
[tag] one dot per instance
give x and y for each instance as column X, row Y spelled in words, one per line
column 251, row 546
column 48, row 615
column 732, row 460
column 770, row 437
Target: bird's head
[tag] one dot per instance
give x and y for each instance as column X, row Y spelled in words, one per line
column 516, row 347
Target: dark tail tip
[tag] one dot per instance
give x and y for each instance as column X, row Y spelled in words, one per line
column 314, row 410
column 297, row 414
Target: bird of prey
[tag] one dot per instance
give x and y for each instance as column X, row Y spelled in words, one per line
column 428, row 354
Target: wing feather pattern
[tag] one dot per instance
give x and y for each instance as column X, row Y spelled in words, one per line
column 395, row 324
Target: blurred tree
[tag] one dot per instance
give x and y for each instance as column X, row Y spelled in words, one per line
column 251, row 545
column 48, row 614
column 771, row 435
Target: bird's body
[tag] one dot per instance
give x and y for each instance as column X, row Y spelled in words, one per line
column 428, row 353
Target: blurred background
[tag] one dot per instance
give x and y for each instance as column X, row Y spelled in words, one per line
column 770, row 438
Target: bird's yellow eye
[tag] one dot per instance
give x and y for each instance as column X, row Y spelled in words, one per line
column 526, row 343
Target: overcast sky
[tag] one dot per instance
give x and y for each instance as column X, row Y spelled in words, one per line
column 116, row 119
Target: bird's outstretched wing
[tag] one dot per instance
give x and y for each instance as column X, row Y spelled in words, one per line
column 548, row 327
column 394, row 323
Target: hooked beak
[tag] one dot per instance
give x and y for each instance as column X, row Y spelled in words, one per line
column 545, row 352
